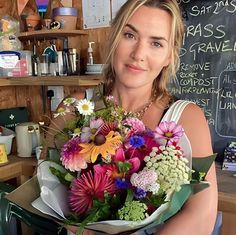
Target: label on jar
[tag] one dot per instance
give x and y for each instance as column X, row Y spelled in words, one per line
column 3, row 154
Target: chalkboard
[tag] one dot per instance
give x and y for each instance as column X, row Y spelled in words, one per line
column 207, row 73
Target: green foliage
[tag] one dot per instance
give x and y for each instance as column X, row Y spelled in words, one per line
column 64, row 177
column 123, row 166
column 156, row 200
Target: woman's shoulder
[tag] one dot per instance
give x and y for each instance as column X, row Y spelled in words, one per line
column 192, row 111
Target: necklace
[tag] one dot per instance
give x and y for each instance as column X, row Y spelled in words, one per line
column 140, row 113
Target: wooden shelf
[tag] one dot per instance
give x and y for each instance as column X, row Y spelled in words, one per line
column 84, row 81
column 50, row 33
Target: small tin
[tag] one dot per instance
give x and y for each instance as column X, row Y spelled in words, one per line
column 3, row 154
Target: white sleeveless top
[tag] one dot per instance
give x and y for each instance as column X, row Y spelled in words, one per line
column 173, row 114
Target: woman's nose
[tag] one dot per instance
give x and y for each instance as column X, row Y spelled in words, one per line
column 139, row 52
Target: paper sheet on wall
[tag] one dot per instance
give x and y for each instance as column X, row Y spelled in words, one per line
column 115, row 6
column 96, row 13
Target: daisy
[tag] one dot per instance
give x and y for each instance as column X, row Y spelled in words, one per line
column 85, row 107
column 61, row 112
column 69, row 101
column 104, row 145
column 76, row 132
column 88, row 187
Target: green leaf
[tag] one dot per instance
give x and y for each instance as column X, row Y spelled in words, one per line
column 201, row 165
column 60, row 175
column 129, row 196
column 177, row 200
column 123, row 166
column 157, row 200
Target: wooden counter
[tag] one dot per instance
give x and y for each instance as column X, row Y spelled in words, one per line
column 21, row 169
column 17, row 167
column 227, row 199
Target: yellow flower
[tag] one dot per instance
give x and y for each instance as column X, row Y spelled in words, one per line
column 103, row 145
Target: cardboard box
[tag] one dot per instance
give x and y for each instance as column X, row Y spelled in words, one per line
column 25, row 194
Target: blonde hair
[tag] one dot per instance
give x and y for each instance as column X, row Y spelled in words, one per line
column 125, row 13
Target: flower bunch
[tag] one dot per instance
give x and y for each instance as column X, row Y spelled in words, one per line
column 116, row 168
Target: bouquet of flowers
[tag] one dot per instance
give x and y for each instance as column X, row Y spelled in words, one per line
column 118, row 173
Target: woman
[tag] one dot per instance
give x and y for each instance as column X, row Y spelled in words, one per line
column 143, row 55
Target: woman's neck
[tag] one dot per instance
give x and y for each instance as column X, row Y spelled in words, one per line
column 132, row 99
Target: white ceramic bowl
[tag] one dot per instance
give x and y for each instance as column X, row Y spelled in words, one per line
column 94, row 68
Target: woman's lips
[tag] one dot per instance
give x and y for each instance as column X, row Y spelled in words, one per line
column 135, row 68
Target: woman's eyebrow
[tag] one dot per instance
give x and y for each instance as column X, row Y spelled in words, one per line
column 152, row 37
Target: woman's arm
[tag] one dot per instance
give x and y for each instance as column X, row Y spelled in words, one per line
column 199, row 213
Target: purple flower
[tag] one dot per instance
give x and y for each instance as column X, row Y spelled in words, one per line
column 139, row 193
column 88, row 133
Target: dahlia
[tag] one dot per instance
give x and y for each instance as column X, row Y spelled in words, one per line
column 71, row 157
column 88, row 187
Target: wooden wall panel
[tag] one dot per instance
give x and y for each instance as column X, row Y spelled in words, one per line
column 31, row 96
column 7, row 97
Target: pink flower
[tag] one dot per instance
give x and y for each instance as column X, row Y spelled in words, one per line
column 89, row 132
column 86, row 188
column 134, row 125
column 145, row 180
column 71, row 157
column 112, row 170
column 169, row 131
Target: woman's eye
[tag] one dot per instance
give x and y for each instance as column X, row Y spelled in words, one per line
column 128, row 35
column 156, row 44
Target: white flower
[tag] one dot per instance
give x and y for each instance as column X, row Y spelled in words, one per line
column 61, row 112
column 85, row 107
column 171, row 168
column 69, row 101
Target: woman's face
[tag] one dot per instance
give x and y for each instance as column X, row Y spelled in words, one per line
column 144, row 48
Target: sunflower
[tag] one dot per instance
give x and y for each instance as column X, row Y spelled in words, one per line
column 104, row 145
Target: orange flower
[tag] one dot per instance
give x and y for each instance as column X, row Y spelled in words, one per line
column 104, row 145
